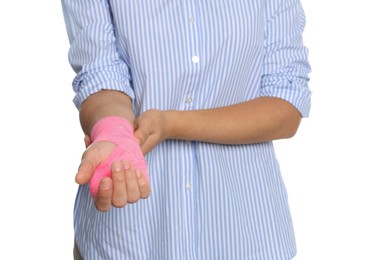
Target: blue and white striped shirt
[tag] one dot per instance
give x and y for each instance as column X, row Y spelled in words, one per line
column 208, row 201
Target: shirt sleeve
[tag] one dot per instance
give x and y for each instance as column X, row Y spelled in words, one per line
column 93, row 52
column 286, row 67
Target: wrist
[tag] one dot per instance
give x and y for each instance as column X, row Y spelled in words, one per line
column 103, row 104
column 170, row 119
column 111, row 126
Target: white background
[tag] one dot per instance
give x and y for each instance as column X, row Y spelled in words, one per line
column 336, row 168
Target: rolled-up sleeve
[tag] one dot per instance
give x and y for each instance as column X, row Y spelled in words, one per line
column 93, row 52
column 286, row 68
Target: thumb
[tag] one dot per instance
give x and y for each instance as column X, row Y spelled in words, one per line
column 95, row 154
column 141, row 133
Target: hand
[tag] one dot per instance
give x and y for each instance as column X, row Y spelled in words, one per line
column 151, row 128
column 125, row 185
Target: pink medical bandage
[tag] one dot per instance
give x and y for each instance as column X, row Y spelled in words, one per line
column 120, row 132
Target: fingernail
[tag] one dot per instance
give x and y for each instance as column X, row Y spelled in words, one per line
column 105, row 184
column 117, row 166
column 138, row 173
column 126, row 165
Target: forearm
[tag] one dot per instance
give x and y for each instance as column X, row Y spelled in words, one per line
column 105, row 103
column 259, row 120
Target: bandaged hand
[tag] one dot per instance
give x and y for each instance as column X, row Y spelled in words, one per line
column 121, row 133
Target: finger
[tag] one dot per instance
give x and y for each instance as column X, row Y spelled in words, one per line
column 133, row 193
column 91, row 158
column 87, row 140
column 87, row 166
column 143, row 139
column 143, row 185
column 141, row 135
column 104, row 196
column 150, row 143
column 143, row 128
column 119, row 195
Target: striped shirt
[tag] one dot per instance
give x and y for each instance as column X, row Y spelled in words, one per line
column 208, row 201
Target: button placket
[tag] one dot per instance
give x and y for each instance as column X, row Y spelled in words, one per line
column 193, row 55
column 191, row 18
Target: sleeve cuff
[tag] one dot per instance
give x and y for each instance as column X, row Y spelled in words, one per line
column 86, row 84
column 296, row 93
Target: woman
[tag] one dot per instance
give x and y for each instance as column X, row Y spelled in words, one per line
column 207, row 86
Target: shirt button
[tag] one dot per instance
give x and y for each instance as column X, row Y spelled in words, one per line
column 188, row 186
column 189, row 100
column 195, row 59
column 191, row 19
